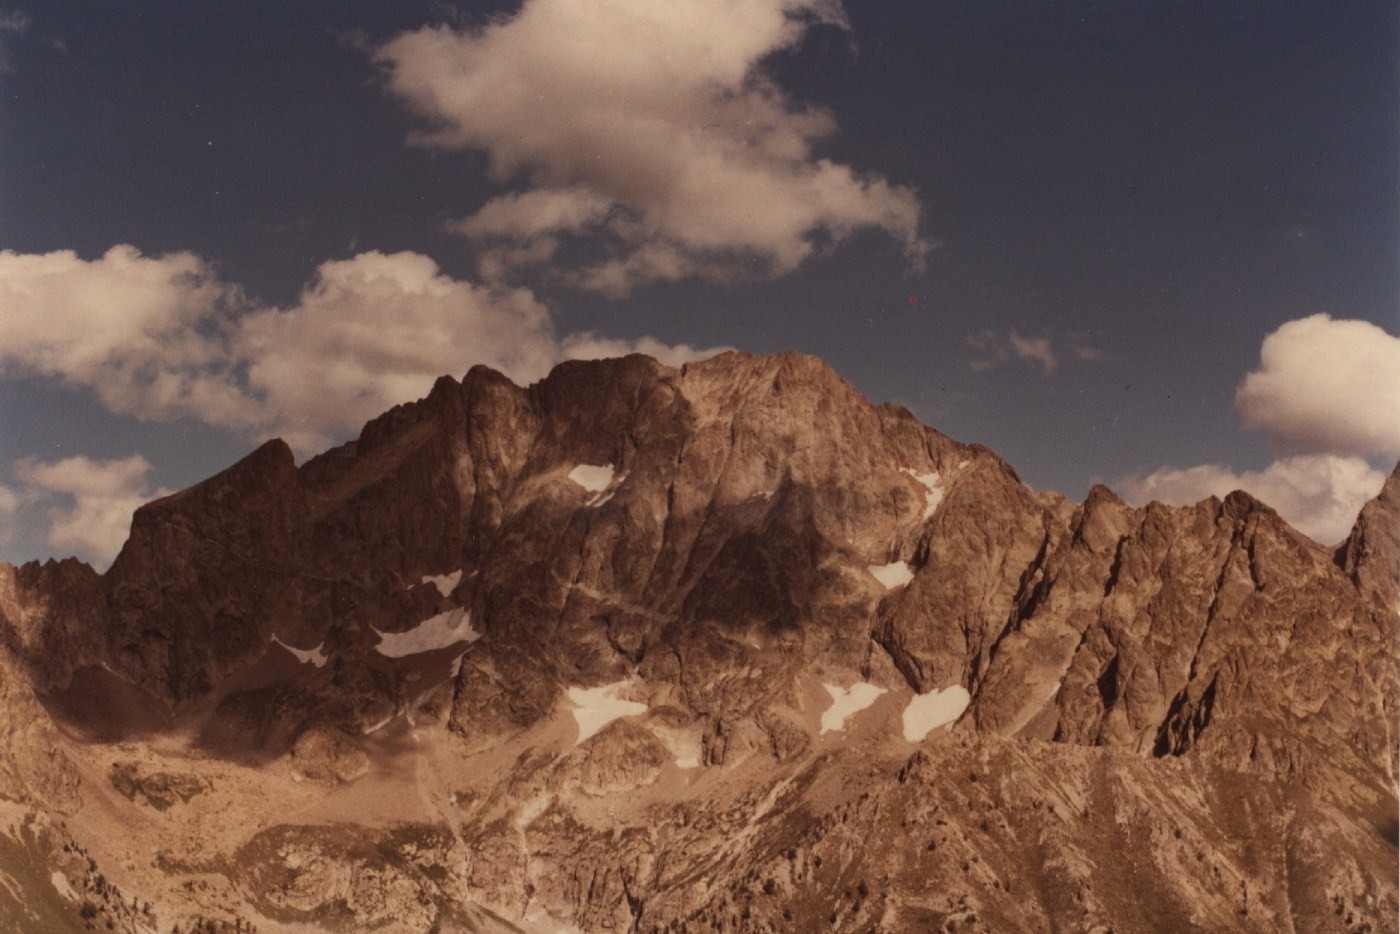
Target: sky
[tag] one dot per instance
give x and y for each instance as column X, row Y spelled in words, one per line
column 1151, row 244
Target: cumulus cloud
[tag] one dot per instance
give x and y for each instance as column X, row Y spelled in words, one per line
column 532, row 213
column 988, row 349
column 162, row 338
column 148, row 335
column 1319, row 494
column 648, row 131
column 1327, row 388
column 89, row 503
column 1326, row 385
column 376, row 330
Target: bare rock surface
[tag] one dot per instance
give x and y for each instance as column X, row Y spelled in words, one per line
column 564, row 657
column 160, row 790
column 328, row 756
column 35, row 768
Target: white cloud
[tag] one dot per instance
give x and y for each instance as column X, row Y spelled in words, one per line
column 1034, row 350
column 163, row 338
column 534, row 212
column 148, row 335
column 376, row 330
column 991, row 348
column 1324, row 384
column 1319, row 494
column 649, row 128
column 89, row 503
column 589, row 346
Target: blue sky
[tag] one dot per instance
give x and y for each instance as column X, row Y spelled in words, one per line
column 1151, row 243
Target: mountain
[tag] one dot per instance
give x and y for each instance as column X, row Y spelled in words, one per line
column 717, row 648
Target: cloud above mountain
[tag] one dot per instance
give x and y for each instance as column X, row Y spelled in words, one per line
column 163, row 338
column 147, row 335
column 649, row 136
column 88, row 503
column 1319, row 494
column 1326, row 385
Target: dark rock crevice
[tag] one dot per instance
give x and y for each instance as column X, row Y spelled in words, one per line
column 1186, row 720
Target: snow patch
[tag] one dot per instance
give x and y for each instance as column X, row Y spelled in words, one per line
column 595, row 480
column 376, row 727
column 933, row 489
column 60, row 884
column 445, row 583
column 595, row 708
column 927, row 712
column 314, row 656
column 892, row 575
column 591, row 478
column 846, row 702
column 435, row 632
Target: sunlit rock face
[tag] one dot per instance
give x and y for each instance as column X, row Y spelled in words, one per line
column 724, row 647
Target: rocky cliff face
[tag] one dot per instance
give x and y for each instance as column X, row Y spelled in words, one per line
column 642, row 648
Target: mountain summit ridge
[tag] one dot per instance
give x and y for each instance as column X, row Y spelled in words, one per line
column 725, row 553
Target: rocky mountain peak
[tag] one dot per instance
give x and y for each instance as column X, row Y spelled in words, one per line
column 739, row 583
column 1371, row 554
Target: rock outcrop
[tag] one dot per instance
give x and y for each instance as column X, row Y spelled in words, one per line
column 34, row 769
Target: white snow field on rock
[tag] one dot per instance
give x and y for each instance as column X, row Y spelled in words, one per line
column 927, row 712
column 892, row 575
column 847, row 701
column 592, row 478
column 435, row 632
column 595, row 708
column 596, row 480
column 445, row 583
column 314, row 656
column 933, row 489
